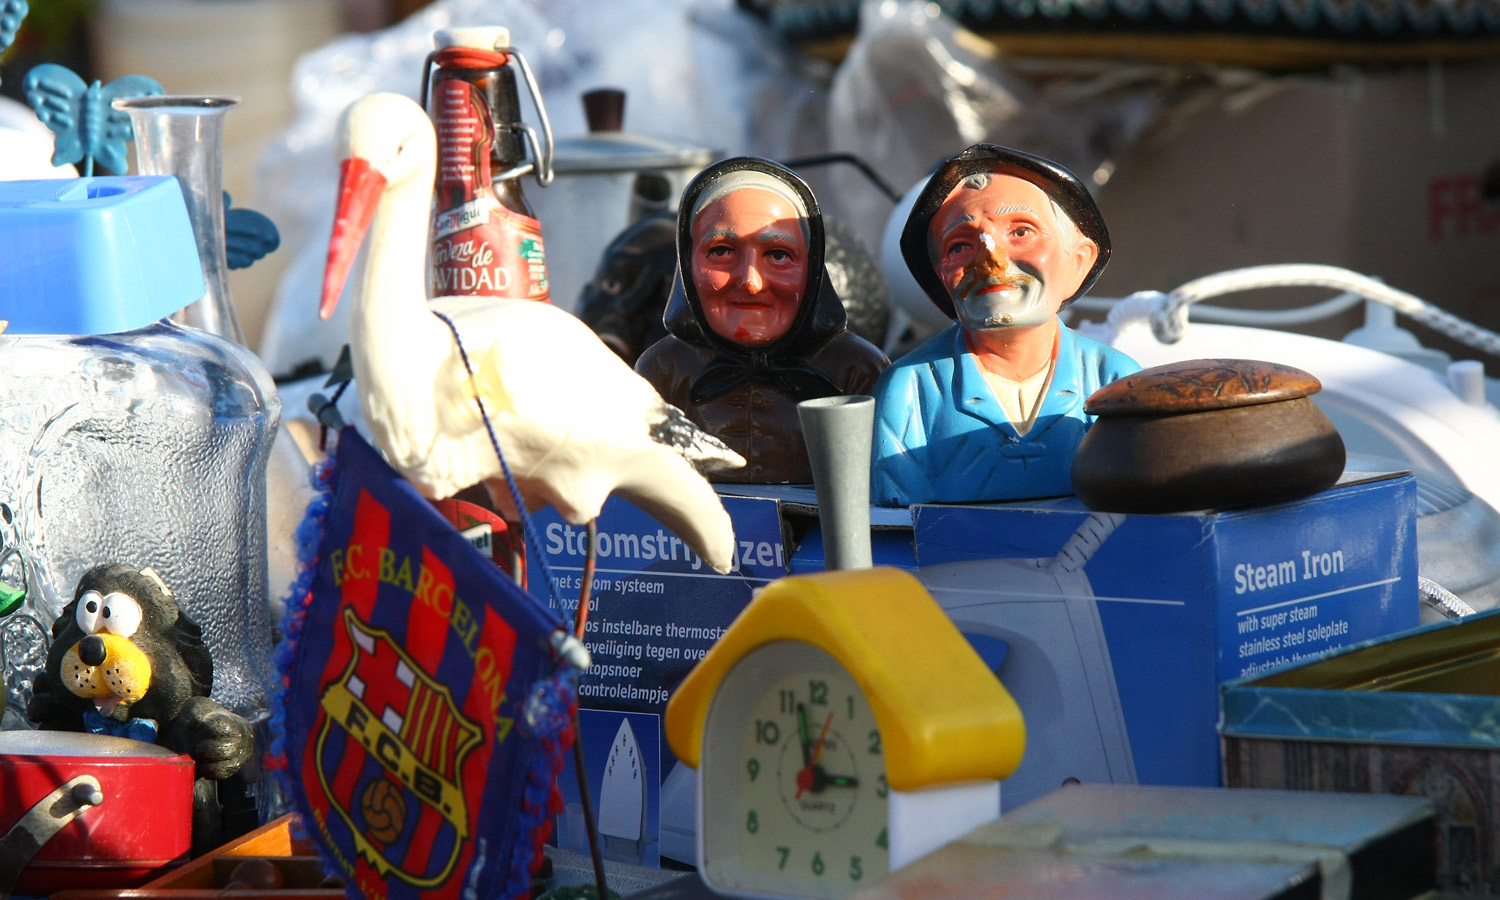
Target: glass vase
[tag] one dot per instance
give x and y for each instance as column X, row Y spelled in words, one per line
column 184, row 137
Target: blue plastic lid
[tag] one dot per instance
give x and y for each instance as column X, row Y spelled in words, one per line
column 95, row 255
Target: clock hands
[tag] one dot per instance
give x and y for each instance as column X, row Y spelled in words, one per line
column 815, row 780
column 818, row 750
column 802, row 730
column 811, row 776
column 807, row 777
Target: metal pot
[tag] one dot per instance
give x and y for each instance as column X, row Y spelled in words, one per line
column 106, row 812
column 1206, row 434
column 594, row 196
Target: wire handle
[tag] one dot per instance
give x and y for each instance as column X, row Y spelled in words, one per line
column 542, row 154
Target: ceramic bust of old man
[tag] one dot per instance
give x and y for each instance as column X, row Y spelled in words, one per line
column 754, row 324
column 992, row 407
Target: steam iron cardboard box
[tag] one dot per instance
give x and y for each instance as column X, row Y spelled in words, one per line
column 1114, row 632
column 655, row 609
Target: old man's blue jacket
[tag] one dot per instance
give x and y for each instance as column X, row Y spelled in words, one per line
column 941, row 436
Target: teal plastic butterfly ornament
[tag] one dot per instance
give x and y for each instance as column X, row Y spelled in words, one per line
column 11, row 14
column 248, row 235
column 87, row 128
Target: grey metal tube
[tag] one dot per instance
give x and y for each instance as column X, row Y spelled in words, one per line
column 838, row 432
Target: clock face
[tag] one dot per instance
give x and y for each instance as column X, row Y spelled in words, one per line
column 794, row 790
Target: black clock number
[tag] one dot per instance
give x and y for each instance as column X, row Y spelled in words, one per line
column 855, row 872
column 882, row 842
column 752, row 765
column 850, row 701
column 766, row 732
column 787, row 699
column 881, row 788
column 752, row 824
column 817, row 864
column 785, row 852
column 817, row 692
column 874, row 742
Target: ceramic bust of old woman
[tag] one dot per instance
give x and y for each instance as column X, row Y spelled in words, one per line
column 992, row 407
column 754, row 324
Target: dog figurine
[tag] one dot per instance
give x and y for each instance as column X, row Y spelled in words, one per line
column 125, row 661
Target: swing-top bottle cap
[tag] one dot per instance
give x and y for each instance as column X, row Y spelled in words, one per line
column 488, row 37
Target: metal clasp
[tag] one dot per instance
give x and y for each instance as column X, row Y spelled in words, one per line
column 541, row 150
column 541, row 154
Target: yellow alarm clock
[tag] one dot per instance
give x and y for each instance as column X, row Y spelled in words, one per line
column 841, row 728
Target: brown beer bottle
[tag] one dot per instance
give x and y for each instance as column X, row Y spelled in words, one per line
column 485, row 239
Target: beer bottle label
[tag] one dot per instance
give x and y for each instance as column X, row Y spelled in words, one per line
column 478, row 246
column 483, row 248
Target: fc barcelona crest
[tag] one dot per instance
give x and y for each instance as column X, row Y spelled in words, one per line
column 409, row 658
column 391, row 749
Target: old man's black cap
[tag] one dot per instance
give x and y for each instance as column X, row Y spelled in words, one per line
column 1062, row 186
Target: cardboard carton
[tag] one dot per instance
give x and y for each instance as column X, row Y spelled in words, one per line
column 1394, row 173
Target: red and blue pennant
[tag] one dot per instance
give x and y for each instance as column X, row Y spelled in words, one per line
column 423, row 718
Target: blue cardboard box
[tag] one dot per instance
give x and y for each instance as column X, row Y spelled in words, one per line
column 655, row 609
column 1113, row 633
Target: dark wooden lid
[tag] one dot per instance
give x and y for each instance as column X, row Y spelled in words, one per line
column 1195, row 385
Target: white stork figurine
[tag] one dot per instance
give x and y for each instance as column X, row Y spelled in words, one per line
column 575, row 423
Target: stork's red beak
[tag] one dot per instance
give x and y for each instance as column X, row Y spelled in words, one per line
column 360, row 187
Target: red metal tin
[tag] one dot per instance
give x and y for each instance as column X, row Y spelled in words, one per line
column 143, row 825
